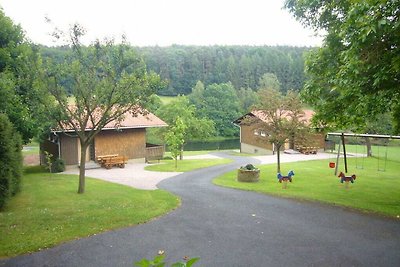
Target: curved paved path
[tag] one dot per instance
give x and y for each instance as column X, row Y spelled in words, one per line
column 228, row 227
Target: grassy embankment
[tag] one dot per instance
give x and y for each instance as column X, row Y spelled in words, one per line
column 48, row 211
column 373, row 191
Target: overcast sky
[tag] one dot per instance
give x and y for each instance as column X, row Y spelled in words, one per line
column 164, row 22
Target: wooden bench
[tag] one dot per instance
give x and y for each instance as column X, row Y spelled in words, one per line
column 110, row 162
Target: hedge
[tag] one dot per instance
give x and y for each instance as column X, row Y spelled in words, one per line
column 10, row 160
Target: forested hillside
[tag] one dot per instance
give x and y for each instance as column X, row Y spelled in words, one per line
column 243, row 66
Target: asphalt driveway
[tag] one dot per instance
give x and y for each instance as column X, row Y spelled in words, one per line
column 228, row 227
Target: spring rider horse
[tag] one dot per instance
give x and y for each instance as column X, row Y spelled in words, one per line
column 346, row 179
column 284, row 179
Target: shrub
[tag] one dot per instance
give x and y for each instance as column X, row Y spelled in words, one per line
column 249, row 167
column 58, row 165
column 10, row 160
column 16, row 163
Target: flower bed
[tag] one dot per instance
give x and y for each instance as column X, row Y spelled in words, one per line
column 248, row 174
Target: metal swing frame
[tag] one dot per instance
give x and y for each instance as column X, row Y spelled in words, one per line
column 343, row 135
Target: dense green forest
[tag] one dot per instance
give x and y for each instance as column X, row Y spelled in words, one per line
column 243, row 66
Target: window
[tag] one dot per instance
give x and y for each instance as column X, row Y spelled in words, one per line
column 256, row 132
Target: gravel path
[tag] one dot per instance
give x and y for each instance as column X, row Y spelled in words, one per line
column 133, row 175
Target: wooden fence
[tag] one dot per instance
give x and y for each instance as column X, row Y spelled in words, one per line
column 154, row 152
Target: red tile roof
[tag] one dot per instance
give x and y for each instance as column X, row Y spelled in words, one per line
column 138, row 121
column 306, row 117
column 146, row 120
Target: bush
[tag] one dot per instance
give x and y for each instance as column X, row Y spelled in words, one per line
column 58, row 165
column 249, row 167
column 10, row 160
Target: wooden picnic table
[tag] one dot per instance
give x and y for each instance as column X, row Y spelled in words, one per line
column 103, row 158
column 307, row 150
column 109, row 161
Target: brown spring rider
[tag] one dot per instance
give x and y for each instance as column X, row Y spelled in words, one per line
column 346, row 179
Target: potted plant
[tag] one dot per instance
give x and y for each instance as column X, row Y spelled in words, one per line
column 248, row 173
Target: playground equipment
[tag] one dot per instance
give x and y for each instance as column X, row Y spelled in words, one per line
column 284, row 179
column 386, row 139
column 380, row 167
column 360, row 163
column 342, row 175
column 347, row 179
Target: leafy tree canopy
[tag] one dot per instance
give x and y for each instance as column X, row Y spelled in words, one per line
column 282, row 117
column 247, row 98
column 356, row 73
column 20, row 70
column 220, row 103
column 269, row 80
column 175, row 138
column 108, row 82
column 196, row 128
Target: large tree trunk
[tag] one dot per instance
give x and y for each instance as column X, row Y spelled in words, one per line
column 369, row 146
column 81, row 187
column 278, row 158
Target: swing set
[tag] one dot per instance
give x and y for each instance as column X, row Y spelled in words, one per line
column 383, row 141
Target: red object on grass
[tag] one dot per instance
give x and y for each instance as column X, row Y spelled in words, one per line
column 332, row 164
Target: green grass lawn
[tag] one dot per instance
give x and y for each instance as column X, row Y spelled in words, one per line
column 189, row 153
column 373, row 191
column 48, row 211
column 186, row 165
column 392, row 150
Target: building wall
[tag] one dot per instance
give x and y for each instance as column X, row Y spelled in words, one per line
column 250, row 142
column 130, row 143
column 69, row 149
column 248, row 137
column 250, row 149
column 50, row 147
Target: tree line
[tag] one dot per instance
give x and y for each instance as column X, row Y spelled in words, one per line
column 243, row 66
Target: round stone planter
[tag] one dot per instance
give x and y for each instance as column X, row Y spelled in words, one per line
column 248, row 176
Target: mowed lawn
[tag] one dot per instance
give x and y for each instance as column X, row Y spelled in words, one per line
column 373, row 191
column 48, row 211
